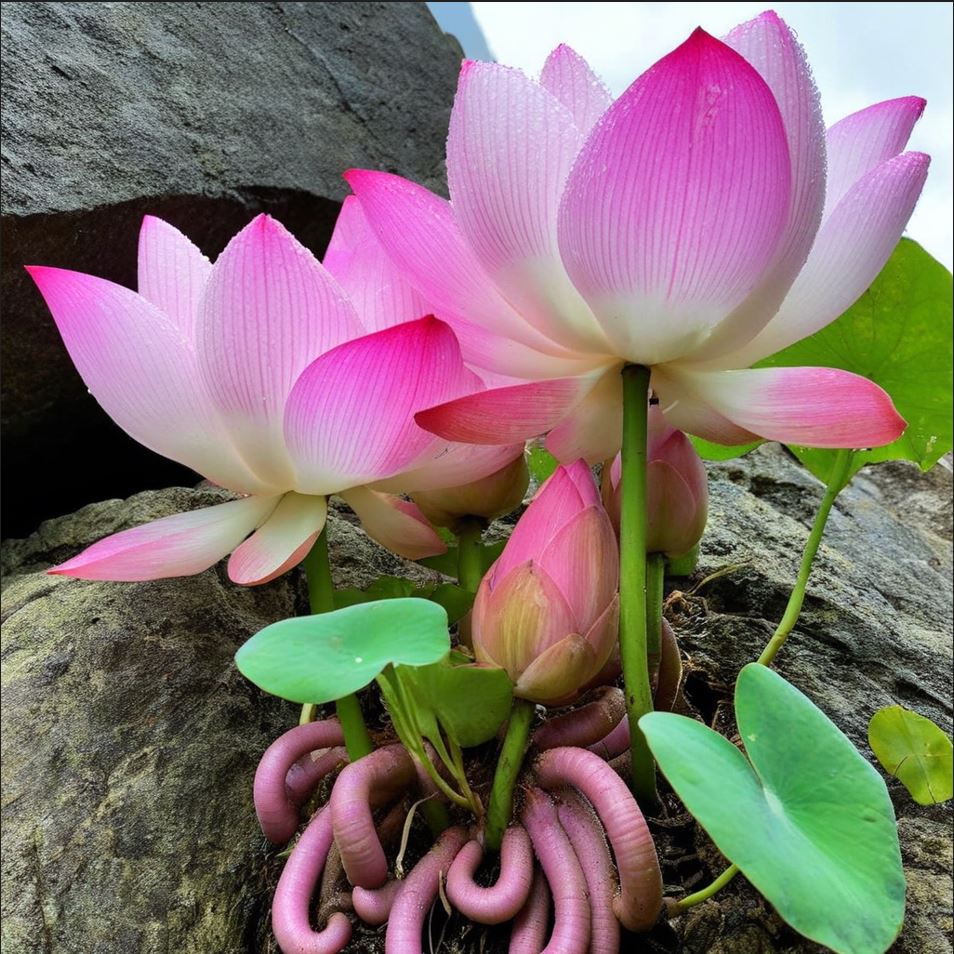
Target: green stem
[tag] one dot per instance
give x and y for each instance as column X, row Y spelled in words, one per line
column 514, row 748
column 321, row 598
column 460, row 774
column 836, row 483
column 632, row 577
column 707, row 892
column 321, row 589
column 404, row 720
column 470, row 568
column 357, row 740
column 442, row 786
column 470, row 565
column 655, row 591
column 420, row 748
column 436, row 815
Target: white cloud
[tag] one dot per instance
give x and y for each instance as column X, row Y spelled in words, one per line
column 860, row 53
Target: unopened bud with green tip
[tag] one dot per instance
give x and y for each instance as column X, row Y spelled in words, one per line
column 547, row 611
column 677, row 490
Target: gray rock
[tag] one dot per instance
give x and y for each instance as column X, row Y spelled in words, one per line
column 130, row 742
column 201, row 113
column 875, row 630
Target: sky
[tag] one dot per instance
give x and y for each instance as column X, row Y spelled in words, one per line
column 861, row 53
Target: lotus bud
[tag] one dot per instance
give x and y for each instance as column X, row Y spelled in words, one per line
column 490, row 497
column 677, row 490
column 547, row 611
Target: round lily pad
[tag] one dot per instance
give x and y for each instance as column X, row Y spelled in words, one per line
column 325, row 657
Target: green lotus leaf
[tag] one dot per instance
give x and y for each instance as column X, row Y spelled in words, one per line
column 325, row 657
column 915, row 751
column 708, row 450
column 455, row 600
column 541, row 463
column 806, row 818
column 446, row 563
column 383, row 588
column 898, row 334
column 470, row 702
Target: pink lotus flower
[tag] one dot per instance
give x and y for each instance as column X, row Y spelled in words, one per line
column 689, row 226
column 486, row 498
column 677, row 490
column 547, row 611
column 260, row 373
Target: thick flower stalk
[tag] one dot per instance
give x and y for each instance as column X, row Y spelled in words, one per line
column 677, row 490
column 547, row 610
column 676, row 508
column 548, row 613
column 276, row 377
column 699, row 223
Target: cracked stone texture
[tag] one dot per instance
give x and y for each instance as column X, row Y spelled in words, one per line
column 204, row 114
column 127, row 821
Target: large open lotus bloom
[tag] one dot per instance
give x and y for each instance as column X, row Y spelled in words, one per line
column 547, row 611
column 702, row 221
column 259, row 373
column 677, row 490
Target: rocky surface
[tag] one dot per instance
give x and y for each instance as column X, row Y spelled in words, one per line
column 130, row 740
column 203, row 114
